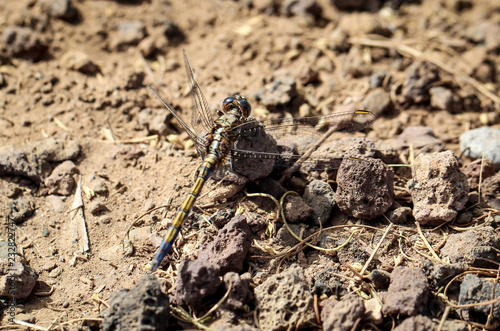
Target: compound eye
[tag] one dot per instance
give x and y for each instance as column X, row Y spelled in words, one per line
column 245, row 106
column 227, row 101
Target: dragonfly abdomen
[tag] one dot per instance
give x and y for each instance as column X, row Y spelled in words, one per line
column 168, row 240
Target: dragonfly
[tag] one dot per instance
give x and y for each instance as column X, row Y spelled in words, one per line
column 215, row 141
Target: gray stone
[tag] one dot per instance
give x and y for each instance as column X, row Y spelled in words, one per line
column 474, row 246
column 321, row 197
column 377, row 101
column 474, row 142
column 474, row 290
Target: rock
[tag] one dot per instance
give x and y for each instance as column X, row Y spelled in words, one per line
column 15, row 162
column 440, row 273
column 79, row 61
column 321, row 197
column 228, row 251
column 195, row 281
column 61, row 179
column 56, row 202
column 304, row 8
column 295, row 209
column 343, row 315
column 20, row 210
column 491, row 191
column 356, row 5
column 364, row 188
column 172, row 31
column 407, row 293
column 281, row 294
column 244, row 163
column 421, row 137
column 141, row 236
column 417, row 323
column 62, row 9
column 97, row 208
column 285, row 238
column 143, row 307
column 400, row 215
column 438, row 189
column 473, row 246
column 16, row 280
column 443, row 98
column 328, row 283
column 474, row 290
column 380, row 278
column 56, row 149
column 377, row 101
column 240, row 292
column 419, row 77
column 473, row 172
column 22, row 43
column 278, row 93
column 129, row 33
column 474, row 142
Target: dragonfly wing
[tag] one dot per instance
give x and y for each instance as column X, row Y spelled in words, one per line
column 197, row 140
column 201, row 120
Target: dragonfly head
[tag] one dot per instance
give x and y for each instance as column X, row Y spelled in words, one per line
column 239, row 101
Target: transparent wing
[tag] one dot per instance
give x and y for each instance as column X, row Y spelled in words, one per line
column 345, row 121
column 197, row 140
column 201, row 120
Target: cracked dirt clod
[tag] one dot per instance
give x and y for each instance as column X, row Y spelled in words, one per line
column 282, row 294
column 438, row 189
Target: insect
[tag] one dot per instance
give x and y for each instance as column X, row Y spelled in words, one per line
column 215, row 141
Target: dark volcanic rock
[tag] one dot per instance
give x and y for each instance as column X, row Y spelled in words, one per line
column 143, row 307
column 240, row 291
column 408, row 292
column 365, row 188
column 295, row 208
column 14, row 162
column 419, row 77
column 473, row 246
column 474, row 290
column 195, row 280
column 321, row 197
column 228, row 251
